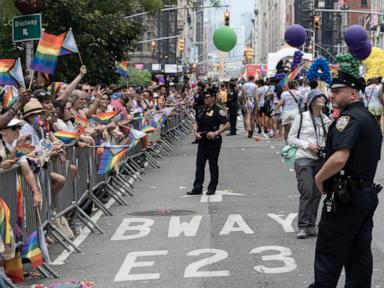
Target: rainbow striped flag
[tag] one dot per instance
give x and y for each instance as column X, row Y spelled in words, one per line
column 156, row 120
column 24, row 149
column 81, row 121
column 55, row 87
column 31, row 250
column 110, row 158
column 10, row 95
column 69, row 44
column 289, row 77
column 67, row 137
column 122, row 69
column 5, row 226
column 5, row 67
column 47, row 52
column 105, row 118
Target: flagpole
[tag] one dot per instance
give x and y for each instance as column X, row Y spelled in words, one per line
column 81, row 60
column 31, row 80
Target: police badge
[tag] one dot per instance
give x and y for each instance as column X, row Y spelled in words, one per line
column 342, row 123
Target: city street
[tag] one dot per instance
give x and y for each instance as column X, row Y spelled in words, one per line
column 244, row 236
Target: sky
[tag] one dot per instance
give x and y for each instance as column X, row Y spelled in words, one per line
column 238, row 7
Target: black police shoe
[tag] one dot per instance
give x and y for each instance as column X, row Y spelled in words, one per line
column 211, row 192
column 194, row 192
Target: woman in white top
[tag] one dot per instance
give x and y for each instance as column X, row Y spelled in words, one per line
column 308, row 135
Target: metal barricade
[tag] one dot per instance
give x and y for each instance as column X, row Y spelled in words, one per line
column 8, row 192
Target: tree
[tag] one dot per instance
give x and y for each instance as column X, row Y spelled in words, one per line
column 138, row 78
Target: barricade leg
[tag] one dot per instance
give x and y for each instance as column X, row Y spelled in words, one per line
column 70, row 243
column 110, row 191
column 121, row 185
column 99, row 204
column 151, row 160
column 89, row 220
column 127, row 168
column 135, row 165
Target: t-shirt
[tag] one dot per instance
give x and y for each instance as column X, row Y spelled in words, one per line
column 372, row 99
column 250, row 88
column 262, row 90
column 289, row 102
column 27, row 130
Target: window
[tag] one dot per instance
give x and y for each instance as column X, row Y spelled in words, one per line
column 364, row 3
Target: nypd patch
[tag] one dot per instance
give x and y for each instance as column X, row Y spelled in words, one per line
column 222, row 113
column 342, row 123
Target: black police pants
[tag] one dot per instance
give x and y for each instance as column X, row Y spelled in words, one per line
column 233, row 118
column 207, row 150
column 344, row 239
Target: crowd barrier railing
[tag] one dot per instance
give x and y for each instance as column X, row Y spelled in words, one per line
column 84, row 188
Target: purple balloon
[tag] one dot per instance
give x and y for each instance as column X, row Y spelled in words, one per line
column 295, row 35
column 355, row 36
column 363, row 52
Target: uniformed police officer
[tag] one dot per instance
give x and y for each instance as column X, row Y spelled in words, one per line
column 345, row 229
column 208, row 131
column 233, row 105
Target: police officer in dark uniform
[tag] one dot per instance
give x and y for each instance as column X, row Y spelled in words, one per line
column 232, row 103
column 208, row 131
column 345, row 229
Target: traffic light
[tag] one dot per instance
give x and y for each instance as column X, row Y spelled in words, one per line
column 316, row 22
column 249, row 53
column 193, row 68
column 181, row 45
column 154, row 46
column 226, row 18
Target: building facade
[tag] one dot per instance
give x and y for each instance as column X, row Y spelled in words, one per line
column 272, row 17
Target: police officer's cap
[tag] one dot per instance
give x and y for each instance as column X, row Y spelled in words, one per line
column 210, row 92
column 347, row 80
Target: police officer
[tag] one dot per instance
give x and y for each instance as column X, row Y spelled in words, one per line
column 208, row 132
column 345, row 229
column 233, row 104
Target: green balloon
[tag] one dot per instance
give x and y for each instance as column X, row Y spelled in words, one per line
column 224, row 38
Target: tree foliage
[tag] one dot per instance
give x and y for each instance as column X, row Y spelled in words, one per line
column 138, row 78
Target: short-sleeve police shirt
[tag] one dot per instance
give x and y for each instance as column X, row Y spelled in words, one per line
column 357, row 131
column 209, row 120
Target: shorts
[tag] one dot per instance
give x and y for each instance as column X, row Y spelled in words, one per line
column 287, row 117
column 264, row 110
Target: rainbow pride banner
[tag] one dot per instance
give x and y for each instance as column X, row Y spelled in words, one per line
column 67, row 137
column 122, row 69
column 110, row 158
column 105, row 118
column 31, row 250
column 47, row 52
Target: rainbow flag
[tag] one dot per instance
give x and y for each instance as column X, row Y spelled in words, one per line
column 55, row 87
column 289, row 77
column 67, row 137
column 156, row 120
column 105, row 118
column 69, row 44
column 24, row 149
column 122, row 69
column 48, row 50
column 5, row 67
column 81, row 121
column 5, row 226
column 14, row 269
column 17, row 73
column 9, row 96
column 110, row 158
column 20, row 208
column 31, row 250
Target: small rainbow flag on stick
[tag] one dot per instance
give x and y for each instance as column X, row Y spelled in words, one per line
column 10, row 95
column 105, row 118
column 81, row 121
column 69, row 44
column 48, row 50
column 24, row 149
column 289, row 77
column 5, row 67
column 14, row 268
column 110, row 158
column 31, row 250
column 148, row 129
column 67, row 137
column 122, row 69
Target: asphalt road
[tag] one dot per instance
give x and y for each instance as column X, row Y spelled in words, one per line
column 242, row 237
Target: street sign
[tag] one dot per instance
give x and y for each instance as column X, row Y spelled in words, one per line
column 26, row 27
